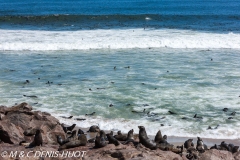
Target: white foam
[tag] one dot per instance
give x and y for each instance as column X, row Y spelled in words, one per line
column 114, row 39
column 152, row 128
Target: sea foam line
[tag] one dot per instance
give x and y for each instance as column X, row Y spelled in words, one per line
column 152, row 128
column 115, row 39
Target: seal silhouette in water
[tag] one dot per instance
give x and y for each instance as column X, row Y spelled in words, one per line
column 90, row 114
column 195, row 116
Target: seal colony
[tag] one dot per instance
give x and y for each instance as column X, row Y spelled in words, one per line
column 159, row 142
column 31, row 129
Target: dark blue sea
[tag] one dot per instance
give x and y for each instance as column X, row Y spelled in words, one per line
column 84, row 56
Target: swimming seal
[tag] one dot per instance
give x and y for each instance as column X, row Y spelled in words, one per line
column 139, row 111
column 144, row 140
column 233, row 113
column 100, row 140
column 66, row 117
column 90, row 114
column 171, row 112
column 225, row 109
column 80, row 119
column 30, row 96
column 195, row 116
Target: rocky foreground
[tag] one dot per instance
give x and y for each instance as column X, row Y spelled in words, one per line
column 27, row 134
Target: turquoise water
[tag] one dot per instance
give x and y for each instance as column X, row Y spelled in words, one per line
column 185, row 81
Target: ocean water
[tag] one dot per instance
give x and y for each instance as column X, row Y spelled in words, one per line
column 81, row 56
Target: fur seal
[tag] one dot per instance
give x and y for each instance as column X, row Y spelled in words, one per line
column 26, row 82
column 144, row 140
column 120, row 136
column 158, row 137
column 164, row 145
column 61, row 141
column 73, row 136
column 233, row 113
column 139, row 111
column 32, row 96
column 80, row 131
column 209, row 127
column 100, row 140
column 152, row 114
column 38, row 138
column 195, row 116
column 37, row 141
column 225, row 109
column 94, row 128
column 171, row 112
column 216, row 147
column 111, row 133
column 130, row 137
column 66, row 117
column 224, row 146
column 70, row 128
column 188, row 143
column 90, row 114
column 80, row 119
column 235, row 149
column 112, row 140
column 81, row 141
column 201, row 147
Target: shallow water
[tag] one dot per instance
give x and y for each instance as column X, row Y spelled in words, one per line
column 185, row 81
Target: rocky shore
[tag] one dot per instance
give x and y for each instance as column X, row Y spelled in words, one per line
column 27, row 134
